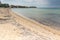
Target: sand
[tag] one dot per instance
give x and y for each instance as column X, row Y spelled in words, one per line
column 15, row 27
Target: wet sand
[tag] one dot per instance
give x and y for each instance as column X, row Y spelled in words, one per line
column 15, row 27
column 48, row 17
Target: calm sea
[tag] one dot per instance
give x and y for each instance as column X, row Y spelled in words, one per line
column 49, row 17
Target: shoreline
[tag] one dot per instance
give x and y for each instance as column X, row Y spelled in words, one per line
column 16, row 23
column 53, row 27
column 31, row 20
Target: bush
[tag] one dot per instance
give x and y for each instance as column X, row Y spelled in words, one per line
column 4, row 5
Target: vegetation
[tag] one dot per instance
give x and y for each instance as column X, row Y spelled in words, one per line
column 4, row 5
column 13, row 6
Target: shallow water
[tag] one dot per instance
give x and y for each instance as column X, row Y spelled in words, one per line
column 49, row 17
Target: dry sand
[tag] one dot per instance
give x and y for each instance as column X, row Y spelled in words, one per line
column 15, row 27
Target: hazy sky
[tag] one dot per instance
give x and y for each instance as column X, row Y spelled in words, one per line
column 39, row 3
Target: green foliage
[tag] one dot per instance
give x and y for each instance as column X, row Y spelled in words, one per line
column 4, row 5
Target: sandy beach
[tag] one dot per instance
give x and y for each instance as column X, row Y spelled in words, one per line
column 15, row 27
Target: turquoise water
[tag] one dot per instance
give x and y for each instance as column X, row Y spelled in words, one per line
column 49, row 17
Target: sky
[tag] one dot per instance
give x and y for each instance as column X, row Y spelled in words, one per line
column 38, row 3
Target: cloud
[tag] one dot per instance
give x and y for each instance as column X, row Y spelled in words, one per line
column 41, row 1
column 28, row 0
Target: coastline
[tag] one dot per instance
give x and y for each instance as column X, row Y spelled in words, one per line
column 46, row 18
column 32, row 26
column 35, row 22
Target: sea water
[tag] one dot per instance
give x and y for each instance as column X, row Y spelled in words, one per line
column 49, row 17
